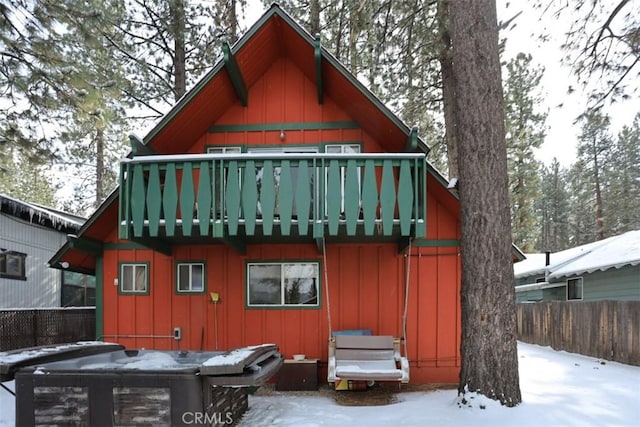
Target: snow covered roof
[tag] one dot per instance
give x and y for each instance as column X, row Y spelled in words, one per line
column 614, row 252
column 41, row 215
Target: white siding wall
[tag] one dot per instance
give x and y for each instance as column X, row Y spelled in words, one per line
column 42, row 287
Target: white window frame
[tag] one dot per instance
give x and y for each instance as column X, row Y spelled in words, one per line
column 580, row 284
column 224, row 149
column 190, row 289
column 283, row 285
column 343, row 149
column 132, row 274
column 295, row 149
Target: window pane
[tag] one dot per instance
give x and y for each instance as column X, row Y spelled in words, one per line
column 127, row 278
column 574, row 289
column 141, row 277
column 197, row 282
column 14, row 265
column 183, row 277
column 265, row 284
column 300, row 282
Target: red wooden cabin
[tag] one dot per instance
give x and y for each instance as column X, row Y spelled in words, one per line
column 278, row 201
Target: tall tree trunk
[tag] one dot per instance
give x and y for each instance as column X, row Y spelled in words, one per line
column 232, row 22
column 179, row 52
column 448, row 87
column 100, row 196
column 314, row 21
column 488, row 349
column 599, row 214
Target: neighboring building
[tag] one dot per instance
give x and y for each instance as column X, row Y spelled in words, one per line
column 30, row 234
column 277, row 202
column 608, row 269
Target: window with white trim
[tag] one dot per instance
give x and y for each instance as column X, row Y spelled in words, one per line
column 224, row 150
column 574, row 289
column 343, row 149
column 190, row 277
column 218, row 195
column 12, row 265
column 134, row 278
column 283, row 284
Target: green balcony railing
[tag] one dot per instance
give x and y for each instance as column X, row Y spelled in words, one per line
column 313, row 195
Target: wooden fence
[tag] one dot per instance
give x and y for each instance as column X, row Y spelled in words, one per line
column 604, row 329
column 35, row 327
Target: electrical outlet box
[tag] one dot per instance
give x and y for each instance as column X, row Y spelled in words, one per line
column 177, row 333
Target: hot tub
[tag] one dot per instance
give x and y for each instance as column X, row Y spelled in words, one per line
column 142, row 387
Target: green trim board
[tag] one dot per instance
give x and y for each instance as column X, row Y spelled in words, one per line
column 84, row 244
column 99, row 297
column 138, row 148
column 231, row 65
column 412, row 141
column 317, row 56
column 274, row 127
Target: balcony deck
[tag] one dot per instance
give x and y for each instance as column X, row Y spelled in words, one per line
column 256, row 198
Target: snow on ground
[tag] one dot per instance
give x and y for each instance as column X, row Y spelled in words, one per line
column 558, row 389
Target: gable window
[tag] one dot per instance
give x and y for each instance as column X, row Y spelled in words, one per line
column 283, row 284
column 224, row 150
column 134, row 278
column 574, row 289
column 190, row 277
column 12, row 264
column 342, row 149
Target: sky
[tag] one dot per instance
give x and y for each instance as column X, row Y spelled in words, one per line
column 563, row 108
column 558, row 389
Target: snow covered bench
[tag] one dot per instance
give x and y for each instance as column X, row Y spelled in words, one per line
column 366, row 358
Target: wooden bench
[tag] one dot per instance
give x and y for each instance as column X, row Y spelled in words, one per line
column 366, row 358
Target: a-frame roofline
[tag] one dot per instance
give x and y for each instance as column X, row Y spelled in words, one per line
column 275, row 35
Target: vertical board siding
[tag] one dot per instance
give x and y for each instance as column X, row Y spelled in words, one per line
column 366, row 281
column 366, row 291
column 43, row 285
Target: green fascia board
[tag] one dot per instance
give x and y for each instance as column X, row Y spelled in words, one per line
column 138, row 148
column 231, row 65
column 412, row 141
column 85, row 244
column 317, row 56
column 99, row 298
column 113, row 197
column 286, row 126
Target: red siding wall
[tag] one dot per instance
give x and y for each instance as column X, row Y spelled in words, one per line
column 366, row 282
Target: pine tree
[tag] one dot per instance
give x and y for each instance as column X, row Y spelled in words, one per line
column 23, row 179
column 488, row 349
column 602, row 45
column 553, row 209
column 581, row 206
column 167, row 45
column 594, row 144
column 622, row 195
column 525, row 131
